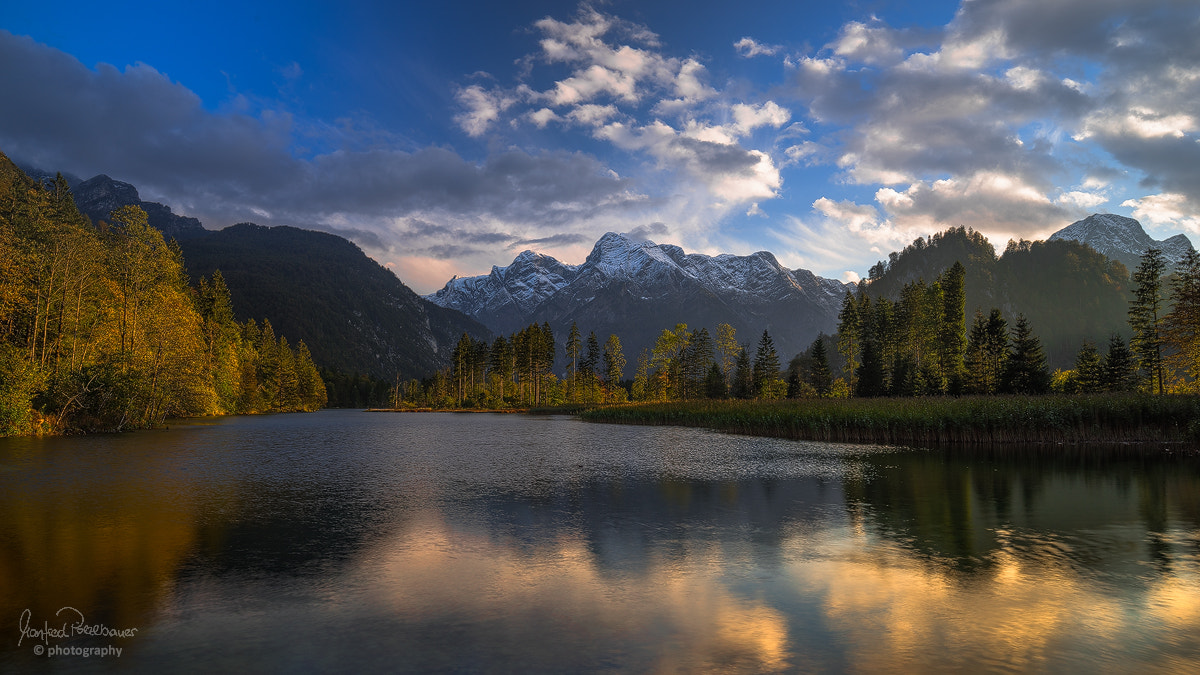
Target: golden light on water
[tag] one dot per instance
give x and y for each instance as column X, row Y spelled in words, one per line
column 904, row 612
column 435, row 568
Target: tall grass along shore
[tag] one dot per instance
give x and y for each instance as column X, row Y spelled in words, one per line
column 1100, row 418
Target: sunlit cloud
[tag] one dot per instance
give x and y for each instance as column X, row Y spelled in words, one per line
column 1167, row 209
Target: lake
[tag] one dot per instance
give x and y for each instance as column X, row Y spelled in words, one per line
column 344, row 541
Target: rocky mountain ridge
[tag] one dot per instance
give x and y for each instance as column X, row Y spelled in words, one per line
column 636, row 288
column 100, row 195
column 1122, row 239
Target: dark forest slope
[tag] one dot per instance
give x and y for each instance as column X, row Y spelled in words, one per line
column 1067, row 291
column 354, row 315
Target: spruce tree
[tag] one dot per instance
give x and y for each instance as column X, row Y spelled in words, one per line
column 997, row 347
column 743, row 376
column 795, row 384
column 591, row 358
column 614, row 363
column 871, row 379
column 572, row 349
column 1145, row 317
column 820, row 377
column 1026, row 371
column 1119, row 368
column 952, row 336
column 766, row 366
column 976, row 356
column 1182, row 323
column 714, row 382
column 1089, row 371
column 849, row 337
column 696, row 359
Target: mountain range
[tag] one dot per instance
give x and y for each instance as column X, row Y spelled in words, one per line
column 1122, row 239
column 636, row 288
column 1067, row 286
column 357, row 316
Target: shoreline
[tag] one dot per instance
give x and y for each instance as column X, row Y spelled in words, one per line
column 1027, row 421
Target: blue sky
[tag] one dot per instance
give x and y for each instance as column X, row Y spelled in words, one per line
column 446, row 137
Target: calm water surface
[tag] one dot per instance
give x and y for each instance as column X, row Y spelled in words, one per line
column 345, row 541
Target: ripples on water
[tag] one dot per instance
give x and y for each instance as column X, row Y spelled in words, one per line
column 345, row 541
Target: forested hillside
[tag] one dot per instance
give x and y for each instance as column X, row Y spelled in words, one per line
column 100, row 330
column 354, row 314
column 1067, row 291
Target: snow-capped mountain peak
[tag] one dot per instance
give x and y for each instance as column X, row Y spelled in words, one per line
column 1121, row 238
column 622, row 277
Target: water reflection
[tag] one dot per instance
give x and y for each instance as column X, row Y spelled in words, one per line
column 113, row 553
column 345, row 541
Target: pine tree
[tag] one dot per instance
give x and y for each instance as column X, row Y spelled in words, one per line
column 1089, row 372
column 870, row 375
column 500, row 363
column 313, row 395
column 1026, row 371
column 952, row 336
column 987, row 353
column 714, row 382
column 543, row 357
column 1181, row 326
column 997, row 347
column 796, row 372
column 849, row 338
column 589, row 368
column 743, row 376
column 614, row 364
column 1145, row 317
column 820, row 377
column 766, row 366
column 287, row 382
column 1119, row 368
column 267, row 366
column 696, row 359
column 591, row 359
column 572, row 349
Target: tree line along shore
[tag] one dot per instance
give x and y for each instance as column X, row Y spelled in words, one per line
column 100, row 329
column 908, row 370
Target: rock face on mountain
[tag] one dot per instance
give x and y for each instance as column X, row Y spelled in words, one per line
column 100, row 195
column 354, row 315
column 635, row 289
column 1121, row 239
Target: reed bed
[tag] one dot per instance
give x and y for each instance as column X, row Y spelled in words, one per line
column 1100, row 418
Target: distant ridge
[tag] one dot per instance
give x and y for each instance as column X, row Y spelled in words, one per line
column 1122, row 239
column 637, row 288
column 100, row 195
